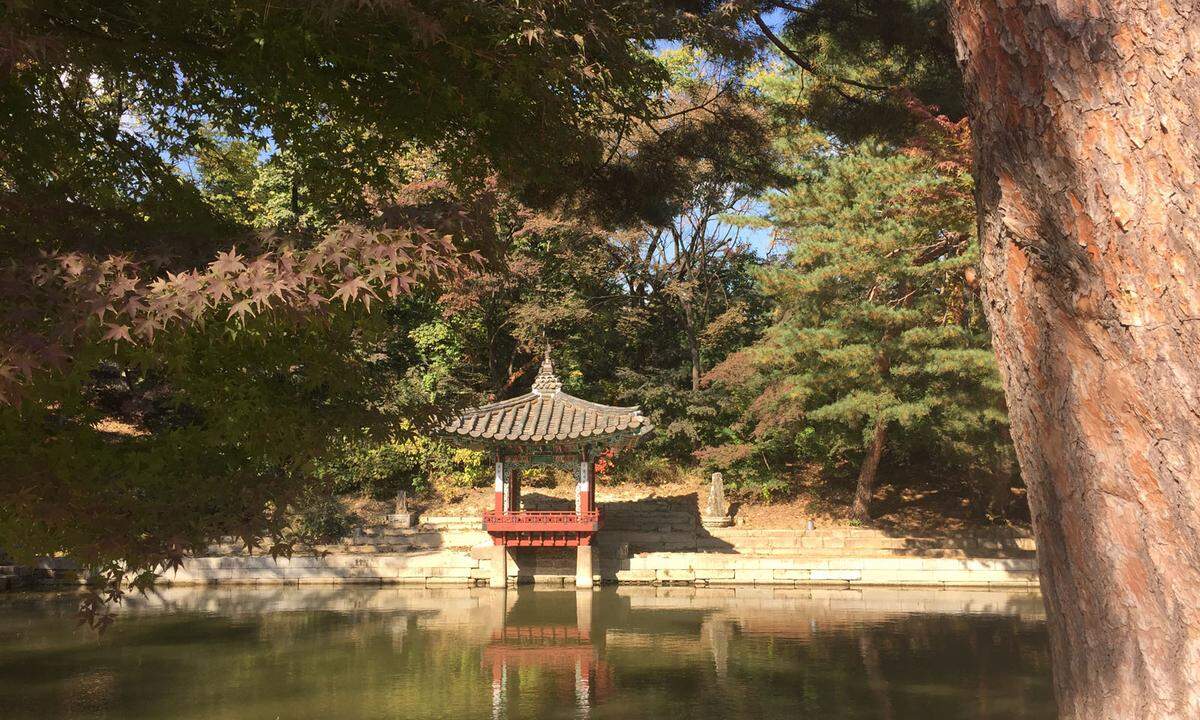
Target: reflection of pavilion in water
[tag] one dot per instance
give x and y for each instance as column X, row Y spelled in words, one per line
column 595, row 646
column 539, row 631
column 563, row 636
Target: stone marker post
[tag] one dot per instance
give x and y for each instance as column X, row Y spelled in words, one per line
column 404, row 516
column 716, row 510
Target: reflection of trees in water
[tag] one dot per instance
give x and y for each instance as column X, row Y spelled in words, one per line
column 876, row 681
column 779, row 656
column 285, row 664
column 416, row 654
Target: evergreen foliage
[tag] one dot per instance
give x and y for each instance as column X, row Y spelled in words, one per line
column 866, row 60
column 875, row 321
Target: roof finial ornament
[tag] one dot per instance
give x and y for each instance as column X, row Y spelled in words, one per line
column 546, row 382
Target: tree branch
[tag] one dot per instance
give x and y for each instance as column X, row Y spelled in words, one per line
column 805, row 64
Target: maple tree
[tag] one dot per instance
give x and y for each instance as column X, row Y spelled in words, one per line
column 174, row 358
column 56, row 300
column 110, row 103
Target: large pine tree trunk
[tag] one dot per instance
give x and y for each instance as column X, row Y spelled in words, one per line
column 1087, row 141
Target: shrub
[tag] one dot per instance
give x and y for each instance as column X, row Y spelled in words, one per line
column 320, row 520
column 644, row 469
column 416, row 464
column 544, row 476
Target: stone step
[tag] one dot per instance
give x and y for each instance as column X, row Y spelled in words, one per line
column 740, row 533
column 444, row 521
column 749, row 562
column 402, row 543
column 432, row 523
column 688, row 529
column 419, row 532
column 844, row 553
column 806, row 542
column 383, row 549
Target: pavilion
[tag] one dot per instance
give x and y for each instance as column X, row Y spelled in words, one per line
column 545, row 426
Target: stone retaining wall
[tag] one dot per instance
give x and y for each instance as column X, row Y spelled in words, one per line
column 733, row 569
column 651, row 531
column 455, row 567
column 46, row 571
column 640, row 544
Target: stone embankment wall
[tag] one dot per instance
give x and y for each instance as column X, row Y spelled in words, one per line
column 44, row 572
column 644, row 542
column 464, row 567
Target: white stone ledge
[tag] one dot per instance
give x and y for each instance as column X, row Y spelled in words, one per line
column 463, row 567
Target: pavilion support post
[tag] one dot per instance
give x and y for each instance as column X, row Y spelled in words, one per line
column 584, row 566
column 583, row 496
column 498, row 570
column 591, row 476
column 499, row 486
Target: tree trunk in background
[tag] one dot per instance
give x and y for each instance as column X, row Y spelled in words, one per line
column 1087, row 158
column 693, row 339
column 999, row 490
column 866, row 474
column 695, row 352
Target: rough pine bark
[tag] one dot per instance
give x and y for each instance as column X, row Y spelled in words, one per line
column 867, row 472
column 1084, row 117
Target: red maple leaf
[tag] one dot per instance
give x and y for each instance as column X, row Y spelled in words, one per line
column 227, row 262
column 118, row 332
column 350, row 290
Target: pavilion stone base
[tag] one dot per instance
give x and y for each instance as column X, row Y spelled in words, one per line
column 498, row 566
column 540, row 565
column 585, row 566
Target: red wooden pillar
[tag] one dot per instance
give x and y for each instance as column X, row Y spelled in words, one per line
column 591, row 483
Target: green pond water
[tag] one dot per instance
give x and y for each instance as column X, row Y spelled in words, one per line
column 358, row 652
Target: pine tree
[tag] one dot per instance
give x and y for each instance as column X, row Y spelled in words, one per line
column 878, row 338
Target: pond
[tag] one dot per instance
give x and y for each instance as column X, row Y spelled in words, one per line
column 629, row 652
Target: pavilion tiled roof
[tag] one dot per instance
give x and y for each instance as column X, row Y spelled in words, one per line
column 546, row 414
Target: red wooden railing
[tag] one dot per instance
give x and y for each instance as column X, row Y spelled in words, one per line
column 534, row 517
column 542, row 528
